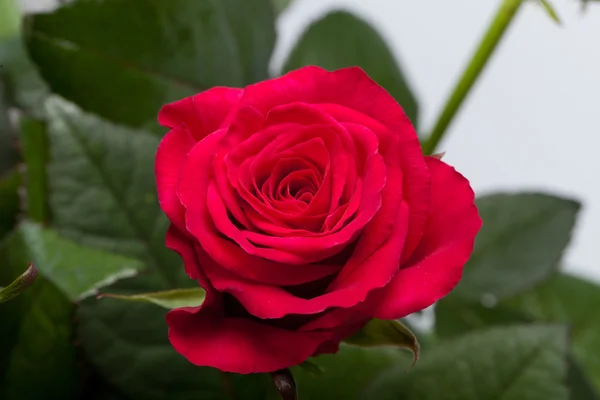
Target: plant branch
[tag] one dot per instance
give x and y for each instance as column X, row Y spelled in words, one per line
column 488, row 44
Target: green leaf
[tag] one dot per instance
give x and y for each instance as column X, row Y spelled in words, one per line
column 34, row 148
column 166, row 50
column 344, row 374
column 455, row 316
column 520, row 244
column 516, row 363
column 37, row 356
column 386, row 333
column 549, row 8
column 77, row 271
column 573, row 301
column 127, row 342
column 103, row 194
column 311, row 367
column 169, row 299
column 19, row 285
column 562, row 298
column 341, row 39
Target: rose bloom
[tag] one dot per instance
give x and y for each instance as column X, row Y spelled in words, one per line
column 304, row 206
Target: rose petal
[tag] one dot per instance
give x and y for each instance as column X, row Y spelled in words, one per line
column 266, row 301
column 170, row 157
column 240, row 177
column 218, row 214
column 316, row 248
column 237, row 345
column 400, row 147
column 190, row 119
column 341, row 332
column 202, row 113
column 437, row 264
column 345, row 160
column 244, row 123
column 183, row 245
column 309, row 85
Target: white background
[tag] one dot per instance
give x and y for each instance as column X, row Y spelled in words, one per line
column 533, row 119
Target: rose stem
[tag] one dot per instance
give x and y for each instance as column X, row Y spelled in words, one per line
column 502, row 20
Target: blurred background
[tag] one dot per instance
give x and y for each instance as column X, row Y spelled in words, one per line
column 532, row 121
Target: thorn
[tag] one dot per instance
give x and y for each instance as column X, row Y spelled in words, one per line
column 439, row 155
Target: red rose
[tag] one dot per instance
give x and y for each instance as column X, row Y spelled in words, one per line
column 305, row 208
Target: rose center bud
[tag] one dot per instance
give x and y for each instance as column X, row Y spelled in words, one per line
column 292, row 184
column 298, row 185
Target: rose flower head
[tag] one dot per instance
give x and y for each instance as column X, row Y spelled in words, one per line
column 304, row 206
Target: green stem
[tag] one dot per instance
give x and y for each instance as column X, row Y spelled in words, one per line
column 19, row 285
column 488, row 44
column 10, row 19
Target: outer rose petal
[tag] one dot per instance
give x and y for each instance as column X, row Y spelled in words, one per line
column 181, row 243
column 170, row 157
column 202, row 113
column 208, row 338
column 237, row 345
column 190, row 119
column 437, row 264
